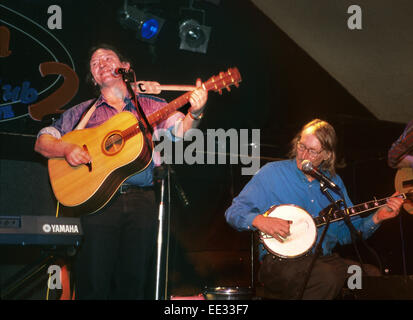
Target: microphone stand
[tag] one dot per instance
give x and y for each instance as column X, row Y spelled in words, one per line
column 163, row 176
column 318, row 248
column 353, row 231
column 137, row 105
column 178, row 188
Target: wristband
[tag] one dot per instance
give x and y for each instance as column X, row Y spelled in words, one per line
column 200, row 116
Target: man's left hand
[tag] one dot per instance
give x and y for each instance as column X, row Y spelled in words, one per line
column 390, row 210
column 198, row 99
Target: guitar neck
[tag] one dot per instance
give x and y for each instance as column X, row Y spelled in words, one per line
column 224, row 80
column 167, row 110
column 356, row 210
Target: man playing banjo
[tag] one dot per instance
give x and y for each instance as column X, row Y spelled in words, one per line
column 292, row 189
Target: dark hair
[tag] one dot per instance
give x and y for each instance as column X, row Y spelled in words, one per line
column 326, row 134
column 106, row 47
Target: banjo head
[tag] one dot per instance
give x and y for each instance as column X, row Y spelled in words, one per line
column 303, row 232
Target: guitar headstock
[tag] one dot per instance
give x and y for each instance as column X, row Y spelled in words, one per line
column 223, row 80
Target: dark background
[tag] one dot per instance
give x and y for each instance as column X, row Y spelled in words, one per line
column 282, row 88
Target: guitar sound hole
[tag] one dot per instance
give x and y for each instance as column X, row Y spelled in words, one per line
column 113, row 143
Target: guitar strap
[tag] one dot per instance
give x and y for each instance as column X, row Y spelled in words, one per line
column 86, row 116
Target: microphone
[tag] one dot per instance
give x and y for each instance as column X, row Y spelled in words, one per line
column 120, row 71
column 307, row 167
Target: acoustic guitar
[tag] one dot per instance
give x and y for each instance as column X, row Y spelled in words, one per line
column 403, row 182
column 118, row 150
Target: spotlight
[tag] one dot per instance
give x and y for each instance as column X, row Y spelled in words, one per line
column 147, row 25
column 194, row 36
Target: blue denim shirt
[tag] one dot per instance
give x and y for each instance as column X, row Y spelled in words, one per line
column 150, row 104
column 282, row 182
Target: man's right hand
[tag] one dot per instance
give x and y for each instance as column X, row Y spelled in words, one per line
column 51, row 147
column 274, row 227
column 75, row 155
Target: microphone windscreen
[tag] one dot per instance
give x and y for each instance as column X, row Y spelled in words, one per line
column 306, row 165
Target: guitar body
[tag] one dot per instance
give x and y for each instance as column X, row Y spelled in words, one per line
column 403, row 182
column 115, row 157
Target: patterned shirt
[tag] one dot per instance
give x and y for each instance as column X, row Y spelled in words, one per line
column 150, row 104
column 402, row 146
column 281, row 182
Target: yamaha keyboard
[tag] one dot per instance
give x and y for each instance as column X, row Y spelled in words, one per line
column 40, row 230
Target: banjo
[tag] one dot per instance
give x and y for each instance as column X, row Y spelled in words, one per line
column 303, row 230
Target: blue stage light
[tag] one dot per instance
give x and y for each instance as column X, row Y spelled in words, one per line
column 146, row 25
column 149, row 29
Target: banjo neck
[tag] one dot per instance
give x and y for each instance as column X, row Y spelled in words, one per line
column 336, row 215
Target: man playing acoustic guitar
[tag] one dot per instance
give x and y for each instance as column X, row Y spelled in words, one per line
column 400, row 154
column 290, row 187
column 115, row 260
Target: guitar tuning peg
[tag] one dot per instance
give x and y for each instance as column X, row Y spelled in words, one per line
column 220, row 91
column 228, row 88
column 236, row 84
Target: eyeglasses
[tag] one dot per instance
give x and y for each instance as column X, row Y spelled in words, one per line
column 311, row 152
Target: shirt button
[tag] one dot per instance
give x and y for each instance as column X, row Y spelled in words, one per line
column 312, row 200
